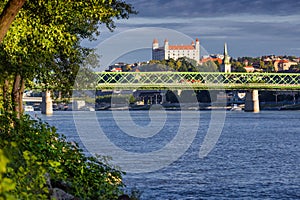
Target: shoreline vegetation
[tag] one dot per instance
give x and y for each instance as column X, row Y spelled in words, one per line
column 38, row 163
column 41, row 44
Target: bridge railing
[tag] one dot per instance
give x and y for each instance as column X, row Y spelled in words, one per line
column 197, row 80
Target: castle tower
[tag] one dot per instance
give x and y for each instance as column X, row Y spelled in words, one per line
column 166, row 49
column 155, row 44
column 166, row 44
column 197, row 47
column 226, row 66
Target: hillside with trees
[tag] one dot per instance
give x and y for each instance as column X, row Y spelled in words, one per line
column 181, row 65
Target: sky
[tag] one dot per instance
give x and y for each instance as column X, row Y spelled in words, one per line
column 250, row 28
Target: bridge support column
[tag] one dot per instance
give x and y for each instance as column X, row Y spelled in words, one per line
column 46, row 106
column 163, row 96
column 252, row 101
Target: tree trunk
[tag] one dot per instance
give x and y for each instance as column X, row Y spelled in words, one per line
column 8, row 15
column 15, row 95
column 21, row 92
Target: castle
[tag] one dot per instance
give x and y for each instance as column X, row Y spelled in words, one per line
column 191, row 51
column 167, row 51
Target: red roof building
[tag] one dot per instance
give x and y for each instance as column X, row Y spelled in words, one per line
column 167, row 51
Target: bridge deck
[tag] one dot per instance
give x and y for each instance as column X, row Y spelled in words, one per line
column 197, row 80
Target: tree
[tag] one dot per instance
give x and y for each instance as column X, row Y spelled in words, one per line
column 262, row 64
column 45, row 37
column 240, row 69
column 270, row 67
column 295, row 68
column 8, row 14
column 209, row 66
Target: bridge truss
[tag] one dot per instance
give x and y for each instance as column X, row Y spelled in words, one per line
column 197, row 80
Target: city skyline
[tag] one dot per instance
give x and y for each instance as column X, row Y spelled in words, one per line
column 253, row 28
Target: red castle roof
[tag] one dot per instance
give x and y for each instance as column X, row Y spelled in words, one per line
column 181, row 47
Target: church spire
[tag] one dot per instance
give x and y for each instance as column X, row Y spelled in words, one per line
column 226, row 57
column 225, row 49
column 226, row 66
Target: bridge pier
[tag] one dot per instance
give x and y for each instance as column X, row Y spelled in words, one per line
column 46, row 106
column 163, row 94
column 252, row 101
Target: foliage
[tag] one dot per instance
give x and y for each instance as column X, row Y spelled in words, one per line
column 35, row 149
column 43, row 45
column 183, row 64
column 132, row 100
column 43, row 42
column 239, row 69
column 209, row 66
column 6, row 184
column 116, row 99
column 250, row 60
column 295, row 68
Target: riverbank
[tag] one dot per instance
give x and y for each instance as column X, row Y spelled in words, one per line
column 193, row 106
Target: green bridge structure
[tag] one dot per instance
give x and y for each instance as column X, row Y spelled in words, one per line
column 250, row 82
column 198, row 80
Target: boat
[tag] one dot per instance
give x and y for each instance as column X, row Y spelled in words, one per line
column 28, row 108
column 236, row 108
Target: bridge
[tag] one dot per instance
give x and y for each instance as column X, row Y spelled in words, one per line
column 197, row 80
column 252, row 82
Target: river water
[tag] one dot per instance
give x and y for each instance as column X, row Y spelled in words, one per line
column 257, row 155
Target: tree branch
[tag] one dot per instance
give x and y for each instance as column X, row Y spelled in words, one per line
column 8, row 14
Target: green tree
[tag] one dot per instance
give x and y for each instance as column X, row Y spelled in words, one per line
column 7, row 185
column 295, row 67
column 270, row 67
column 34, row 149
column 262, row 64
column 240, row 69
column 179, row 65
column 208, row 66
column 45, row 39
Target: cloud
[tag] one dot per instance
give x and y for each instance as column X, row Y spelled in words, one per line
column 208, row 8
column 263, row 26
column 252, row 28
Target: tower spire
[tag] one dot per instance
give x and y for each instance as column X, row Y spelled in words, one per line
column 226, row 57
column 225, row 50
column 226, row 66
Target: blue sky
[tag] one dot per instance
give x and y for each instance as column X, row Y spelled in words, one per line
column 250, row 28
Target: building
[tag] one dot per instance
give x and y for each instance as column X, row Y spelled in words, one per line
column 283, row 65
column 249, row 68
column 207, row 59
column 117, row 67
column 226, row 66
column 168, row 51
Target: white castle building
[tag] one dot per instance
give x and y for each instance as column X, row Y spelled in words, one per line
column 167, row 51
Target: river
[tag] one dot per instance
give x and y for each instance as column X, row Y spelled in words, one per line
column 257, row 155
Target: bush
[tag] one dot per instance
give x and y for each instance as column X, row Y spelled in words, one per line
column 6, row 184
column 36, row 150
